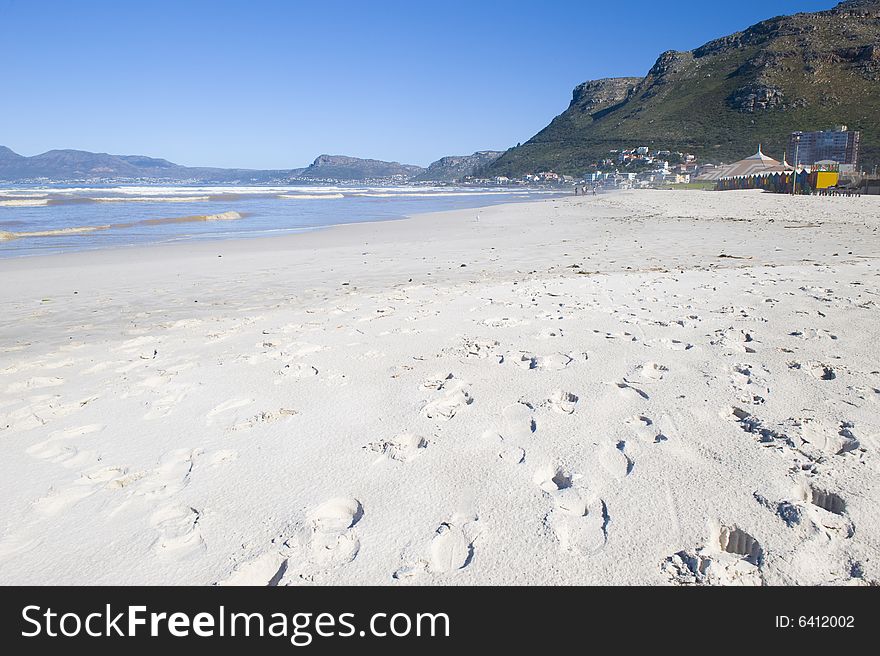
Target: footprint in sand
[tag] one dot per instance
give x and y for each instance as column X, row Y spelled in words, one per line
column 438, row 381
column 645, row 429
column 454, row 398
column 813, row 333
column 629, row 337
column 743, row 374
column 499, row 322
column 790, row 513
column 267, row 569
column 737, row 340
column 262, row 419
column 673, row 344
column 479, row 348
column 57, row 447
column 653, row 371
column 170, row 477
column 526, row 361
column 562, row 402
column 401, row 448
column 325, row 540
column 550, row 478
column 579, row 522
column 331, row 542
column 631, row 392
column 733, row 557
column 451, row 549
column 60, row 499
column 615, row 461
column 179, row 533
column 517, row 421
column 296, row 371
column 88, row 483
column 503, row 448
column 828, row 511
column 767, row 436
column 71, row 456
column 578, row 518
column 518, row 425
column 553, row 362
column 821, row 371
column 829, row 437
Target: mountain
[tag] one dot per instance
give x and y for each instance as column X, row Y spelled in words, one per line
column 455, row 167
column 342, row 168
column 79, row 165
column 7, row 156
column 808, row 71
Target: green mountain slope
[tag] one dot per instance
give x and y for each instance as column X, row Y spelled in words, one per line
column 801, row 72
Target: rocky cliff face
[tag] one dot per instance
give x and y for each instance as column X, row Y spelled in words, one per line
column 456, row 167
column 343, row 168
column 596, row 95
column 807, row 71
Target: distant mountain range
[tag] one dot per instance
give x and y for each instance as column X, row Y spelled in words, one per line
column 82, row 166
column 79, row 165
column 455, row 167
column 809, row 71
column 342, row 168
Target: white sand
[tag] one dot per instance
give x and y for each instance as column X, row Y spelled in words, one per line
column 596, row 397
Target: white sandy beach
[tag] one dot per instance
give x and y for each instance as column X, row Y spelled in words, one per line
column 642, row 388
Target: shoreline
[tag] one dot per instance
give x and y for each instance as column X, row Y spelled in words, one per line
column 245, row 252
column 144, row 257
column 225, row 212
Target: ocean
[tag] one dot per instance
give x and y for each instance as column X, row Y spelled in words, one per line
column 45, row 220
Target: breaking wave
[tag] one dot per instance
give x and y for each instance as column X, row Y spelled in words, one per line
column 310, row 196
column 78, row 230
column 24, row 202
column 223, row 216
column 7, row 236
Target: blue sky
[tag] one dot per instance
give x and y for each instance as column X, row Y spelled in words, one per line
column 272, row 84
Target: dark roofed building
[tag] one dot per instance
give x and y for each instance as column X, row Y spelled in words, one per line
column 839, row 145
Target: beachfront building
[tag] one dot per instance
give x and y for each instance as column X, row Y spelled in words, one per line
column 837, row 145
column 708, row 172
column 756, row 165
column 756, row 172
column 762, row 172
